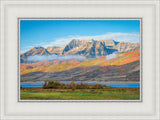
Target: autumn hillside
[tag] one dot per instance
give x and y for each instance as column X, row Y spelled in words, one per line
column 123, row 67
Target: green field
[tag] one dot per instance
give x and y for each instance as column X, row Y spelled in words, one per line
column 80, row 94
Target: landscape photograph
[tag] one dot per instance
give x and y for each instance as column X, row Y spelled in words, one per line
column 79, row 59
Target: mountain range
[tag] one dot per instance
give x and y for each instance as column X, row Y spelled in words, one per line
column 89, row 48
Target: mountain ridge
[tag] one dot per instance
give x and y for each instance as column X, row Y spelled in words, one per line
column 89, row 48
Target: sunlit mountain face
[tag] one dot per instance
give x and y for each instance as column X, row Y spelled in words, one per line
column 78, row 49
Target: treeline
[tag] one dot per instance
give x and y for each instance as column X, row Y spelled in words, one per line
column 72, row 85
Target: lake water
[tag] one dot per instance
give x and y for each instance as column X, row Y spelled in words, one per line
column 40, row 84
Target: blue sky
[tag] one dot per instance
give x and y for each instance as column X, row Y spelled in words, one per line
column 59, row 32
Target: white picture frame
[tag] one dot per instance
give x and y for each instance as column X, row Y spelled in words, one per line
column 149, row 108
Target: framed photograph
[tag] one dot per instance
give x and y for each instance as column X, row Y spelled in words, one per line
column 80, row 60
column 85, row 66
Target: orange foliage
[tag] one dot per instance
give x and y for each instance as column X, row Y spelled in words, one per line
column 63, row 65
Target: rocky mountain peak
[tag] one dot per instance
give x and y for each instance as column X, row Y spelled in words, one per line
column 34, row 51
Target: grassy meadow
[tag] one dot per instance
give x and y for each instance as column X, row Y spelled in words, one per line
column 112, row 93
